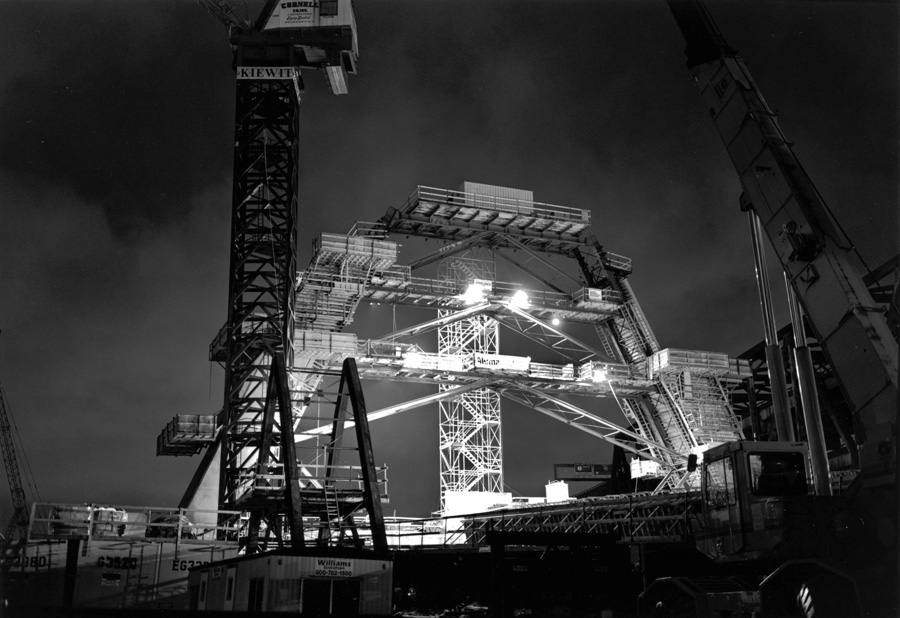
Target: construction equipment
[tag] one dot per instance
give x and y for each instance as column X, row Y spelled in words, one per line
column 816, row 255
column 15, row 536
column 757, row 508
column 269, row 54
column 781, row 544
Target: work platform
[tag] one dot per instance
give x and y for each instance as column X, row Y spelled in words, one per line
column 459, row 216
column 674, row 402
column 133, row 524
column 587, row 305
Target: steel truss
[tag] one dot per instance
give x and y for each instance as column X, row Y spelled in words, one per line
column 261, row 290
column 683, row 412
column 628, row 519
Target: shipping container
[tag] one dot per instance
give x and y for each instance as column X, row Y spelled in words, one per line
column 323, row 582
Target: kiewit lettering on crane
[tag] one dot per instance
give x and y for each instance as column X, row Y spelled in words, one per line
column 265, row 72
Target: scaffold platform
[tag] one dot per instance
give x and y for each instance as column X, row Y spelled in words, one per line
column 456, row 215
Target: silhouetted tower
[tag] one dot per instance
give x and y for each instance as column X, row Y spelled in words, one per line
column 268, row 57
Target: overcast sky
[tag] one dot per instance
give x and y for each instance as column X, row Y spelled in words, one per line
column 116, row 136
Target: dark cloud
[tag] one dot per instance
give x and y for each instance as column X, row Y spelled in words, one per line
column 115, row 167
column 115, row 107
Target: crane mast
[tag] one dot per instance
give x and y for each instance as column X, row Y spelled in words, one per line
column 269, row 54
column 817, row 257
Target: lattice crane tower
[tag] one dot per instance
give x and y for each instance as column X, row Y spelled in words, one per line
column 268, row 57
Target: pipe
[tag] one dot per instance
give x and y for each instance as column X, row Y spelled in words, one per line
column 774, row 359
column 806, row 383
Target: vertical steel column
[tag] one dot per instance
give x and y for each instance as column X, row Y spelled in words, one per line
column 806, row 384
column 774, row 360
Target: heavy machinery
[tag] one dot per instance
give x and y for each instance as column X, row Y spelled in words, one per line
column 269, row 55
column 757, row 507
column 755, row 513
column 14, row 537
column 779, row 542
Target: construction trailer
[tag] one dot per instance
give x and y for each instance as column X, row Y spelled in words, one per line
column 315, row 582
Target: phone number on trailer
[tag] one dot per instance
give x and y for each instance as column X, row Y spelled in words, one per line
column 334, row 572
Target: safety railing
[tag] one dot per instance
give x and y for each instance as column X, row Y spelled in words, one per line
column 52, row 521
column 500, row 204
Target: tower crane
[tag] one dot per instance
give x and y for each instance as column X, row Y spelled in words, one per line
column 268, row 56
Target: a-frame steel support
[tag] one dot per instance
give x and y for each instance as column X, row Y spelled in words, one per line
column 267, row 479
column 277, row 396
column 351, row 389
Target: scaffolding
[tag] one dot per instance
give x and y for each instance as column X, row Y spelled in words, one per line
column 471, row 455
column 674, row 402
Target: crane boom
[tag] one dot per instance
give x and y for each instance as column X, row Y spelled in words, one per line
column 816, row 255
column 13, row 537
column 225, row 13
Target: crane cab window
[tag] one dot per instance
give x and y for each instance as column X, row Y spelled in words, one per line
column 328, row 8
column 720, row 482
column 778, row 474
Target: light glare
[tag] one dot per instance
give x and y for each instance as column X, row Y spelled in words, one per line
column 519, row 300
column 473, row 295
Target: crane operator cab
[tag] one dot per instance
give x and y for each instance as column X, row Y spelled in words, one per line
column 323, row 31
column 757, row 501
column 292, row 34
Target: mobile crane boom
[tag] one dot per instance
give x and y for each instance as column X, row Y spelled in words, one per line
column 13, row 537
column 816, row 255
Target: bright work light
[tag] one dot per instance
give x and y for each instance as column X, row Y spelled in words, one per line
column 519, row 300
column 473, row 295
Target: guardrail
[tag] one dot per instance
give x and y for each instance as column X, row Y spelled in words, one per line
column 53, row 521
column 501, row 204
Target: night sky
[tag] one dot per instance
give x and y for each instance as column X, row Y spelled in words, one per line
column 116, row 136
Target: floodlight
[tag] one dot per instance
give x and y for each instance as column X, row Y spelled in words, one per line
column 519, row 300
column 473, row 295
column 599, row 375
column 555, row 321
